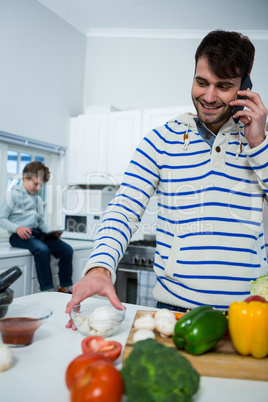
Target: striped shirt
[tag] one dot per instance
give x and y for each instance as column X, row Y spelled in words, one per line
column 210, row 241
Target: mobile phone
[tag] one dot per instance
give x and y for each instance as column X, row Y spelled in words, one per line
column 246, row 84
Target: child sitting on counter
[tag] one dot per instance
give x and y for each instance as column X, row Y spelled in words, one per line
column 21, row 214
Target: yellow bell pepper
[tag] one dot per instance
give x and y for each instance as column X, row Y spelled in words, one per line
column 248, row 328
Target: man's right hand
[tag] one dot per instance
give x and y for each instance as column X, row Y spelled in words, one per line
column 24, row 233
column 96, row 282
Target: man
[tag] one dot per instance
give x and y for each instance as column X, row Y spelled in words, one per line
column 21, row 214
column 211, row 177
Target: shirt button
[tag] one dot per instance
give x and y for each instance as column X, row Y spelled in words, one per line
column 207, row 136
column 198, row 123
column 218, row 149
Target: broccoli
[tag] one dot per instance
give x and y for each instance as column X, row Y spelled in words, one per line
column 154, row 372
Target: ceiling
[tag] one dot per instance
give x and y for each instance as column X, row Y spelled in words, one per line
column 88, row 15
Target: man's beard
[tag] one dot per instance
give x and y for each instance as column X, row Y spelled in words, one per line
column 209, row 118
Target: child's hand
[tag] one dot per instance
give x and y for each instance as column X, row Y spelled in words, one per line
column 24, row 233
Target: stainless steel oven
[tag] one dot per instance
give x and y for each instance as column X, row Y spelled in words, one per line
column 138, row 256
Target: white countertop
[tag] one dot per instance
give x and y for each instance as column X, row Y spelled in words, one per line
column 7, row 251
column 38, row 371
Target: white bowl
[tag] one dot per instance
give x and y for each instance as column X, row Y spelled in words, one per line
column 97, row 318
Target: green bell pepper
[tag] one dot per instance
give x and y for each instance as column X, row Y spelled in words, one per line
column 200, row 329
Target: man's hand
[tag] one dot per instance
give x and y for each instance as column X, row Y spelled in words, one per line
column 24, row 233
column 96, row 282
column 253, row 119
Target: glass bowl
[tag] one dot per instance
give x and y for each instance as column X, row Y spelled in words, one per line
column 21, row 321
column 97, row 318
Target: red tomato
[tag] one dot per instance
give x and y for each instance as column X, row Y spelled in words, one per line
column 110, row 349
column 77, row 367
column 255, row 298
column 101, row 382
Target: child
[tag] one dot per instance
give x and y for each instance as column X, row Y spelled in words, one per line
column 22, row 216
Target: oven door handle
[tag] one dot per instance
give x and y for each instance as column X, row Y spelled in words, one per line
column 128, row 270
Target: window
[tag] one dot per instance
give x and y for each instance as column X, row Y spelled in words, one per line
column 15, row 153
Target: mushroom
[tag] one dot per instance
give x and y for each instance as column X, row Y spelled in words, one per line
column 5, row 357
column 143, row 334
column 164, row 312
column 165, row 326
column 145, row 322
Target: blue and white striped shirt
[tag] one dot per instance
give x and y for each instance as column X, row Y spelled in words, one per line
column 210, row 241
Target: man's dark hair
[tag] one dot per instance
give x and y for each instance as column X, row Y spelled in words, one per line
column 36, row 169
column 229, row 54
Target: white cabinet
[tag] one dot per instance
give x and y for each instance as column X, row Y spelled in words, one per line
column 124, row 137
column 79, row 262
column 101, row 146
column 80, row 258
column 153, row 118
column 21, row 286
column 87, row 158
column 54, row 269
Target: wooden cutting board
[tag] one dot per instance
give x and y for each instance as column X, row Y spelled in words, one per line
column 221, row 361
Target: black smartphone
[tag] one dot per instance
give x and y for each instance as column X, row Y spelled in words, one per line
column 246, row 84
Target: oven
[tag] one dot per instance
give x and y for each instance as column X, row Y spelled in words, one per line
column 136, row 262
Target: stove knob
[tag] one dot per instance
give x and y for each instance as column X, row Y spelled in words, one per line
column 136, row 260
column 150, row 261
column 143, row 261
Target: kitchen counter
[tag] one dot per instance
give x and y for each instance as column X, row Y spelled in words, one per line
column 38, row 370
column 7, row 251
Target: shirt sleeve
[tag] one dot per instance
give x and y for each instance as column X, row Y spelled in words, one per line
column 258, row 160
column 5, row 211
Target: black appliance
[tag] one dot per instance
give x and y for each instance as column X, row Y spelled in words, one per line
column 138, row 256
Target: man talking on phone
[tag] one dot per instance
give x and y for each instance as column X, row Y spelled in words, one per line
column 210, row 173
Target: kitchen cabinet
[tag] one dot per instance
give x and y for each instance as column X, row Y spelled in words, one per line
column 101, row 146
column 124, row 137
column 21, row 286
column 152, row 118
column 34, row 280
column 27, row 283
column 87, row 150
column 80, row 259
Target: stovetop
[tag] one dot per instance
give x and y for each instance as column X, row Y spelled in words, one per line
column 143, row 243
column 139, row 253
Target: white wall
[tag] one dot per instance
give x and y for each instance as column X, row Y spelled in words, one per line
column 42, row 72
column 145, row 73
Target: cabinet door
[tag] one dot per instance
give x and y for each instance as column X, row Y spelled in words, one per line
column 86, row 151
column 80, row 259
column 124, row 137
column 21, row 286
column 54, row 269
column 153, row 118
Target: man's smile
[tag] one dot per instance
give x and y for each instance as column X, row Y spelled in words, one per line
column 210, row 107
